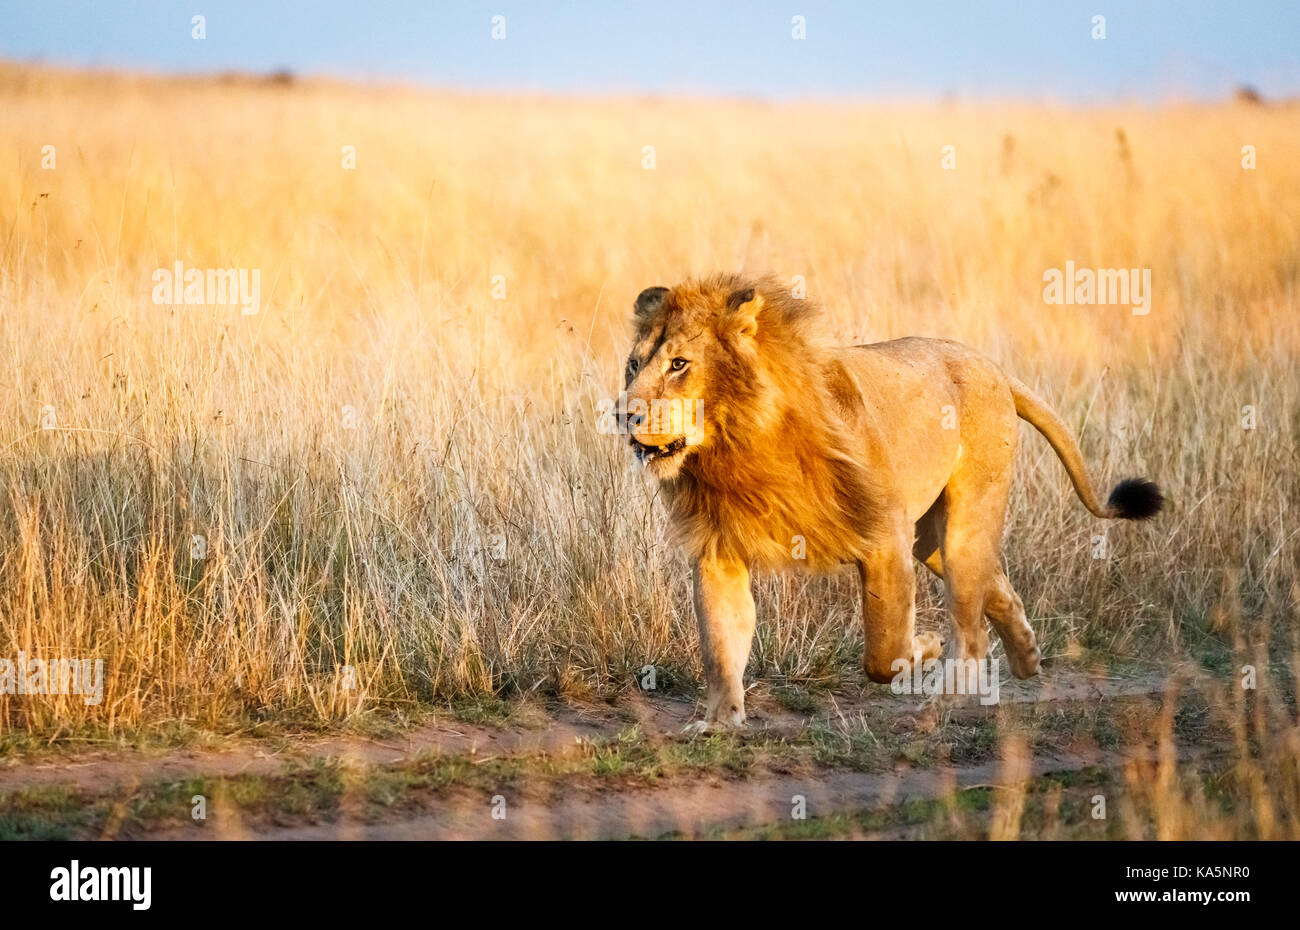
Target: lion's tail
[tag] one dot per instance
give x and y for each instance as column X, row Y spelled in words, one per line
column 1131, row 499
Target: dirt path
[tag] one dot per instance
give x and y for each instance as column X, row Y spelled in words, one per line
column 657, row 717
column 694, row 801
column 687, row 810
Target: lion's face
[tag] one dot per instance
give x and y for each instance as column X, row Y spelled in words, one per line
column 689, row 349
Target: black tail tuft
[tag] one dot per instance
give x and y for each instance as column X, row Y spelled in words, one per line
column 1135, row 499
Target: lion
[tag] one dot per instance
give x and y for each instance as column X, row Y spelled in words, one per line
column 776, row 450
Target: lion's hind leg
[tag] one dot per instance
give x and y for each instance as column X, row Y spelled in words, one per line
column 1005, row 611
column 974, row 511
column 1002, row 606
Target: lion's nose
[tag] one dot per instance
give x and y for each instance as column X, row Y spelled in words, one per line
column 635, row 419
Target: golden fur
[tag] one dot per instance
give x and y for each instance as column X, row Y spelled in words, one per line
column 802, row 454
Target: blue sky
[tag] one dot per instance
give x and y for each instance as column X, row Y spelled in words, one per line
column 1153, row 49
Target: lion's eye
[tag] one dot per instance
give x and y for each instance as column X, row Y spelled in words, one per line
column 632, row 366
column 679, row 363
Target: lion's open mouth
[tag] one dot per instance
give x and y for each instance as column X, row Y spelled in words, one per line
column 646, row 454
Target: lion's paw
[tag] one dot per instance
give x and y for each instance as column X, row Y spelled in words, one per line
column 927, row 646
column 1027, row 664
column 703, row 727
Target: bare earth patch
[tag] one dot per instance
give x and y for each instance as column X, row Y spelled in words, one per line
column 594, row 772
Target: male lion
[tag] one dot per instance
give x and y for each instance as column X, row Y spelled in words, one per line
column 776, row 450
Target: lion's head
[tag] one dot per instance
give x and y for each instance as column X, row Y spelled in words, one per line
column 733, row 400
column 702, row 359
column 706, row 358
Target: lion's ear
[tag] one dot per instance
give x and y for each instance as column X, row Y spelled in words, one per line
column 650, row 300
column 743, row 316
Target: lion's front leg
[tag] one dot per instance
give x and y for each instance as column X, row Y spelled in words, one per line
column 724, row 609
column 889, row 615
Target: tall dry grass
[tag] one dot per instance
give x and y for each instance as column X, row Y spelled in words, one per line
column 377, row 547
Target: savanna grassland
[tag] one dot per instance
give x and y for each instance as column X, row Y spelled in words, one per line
column 395, row 465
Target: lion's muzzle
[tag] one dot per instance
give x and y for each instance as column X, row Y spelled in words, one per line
column 646, row 453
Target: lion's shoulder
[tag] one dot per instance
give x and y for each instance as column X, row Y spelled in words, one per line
column 842, row 390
